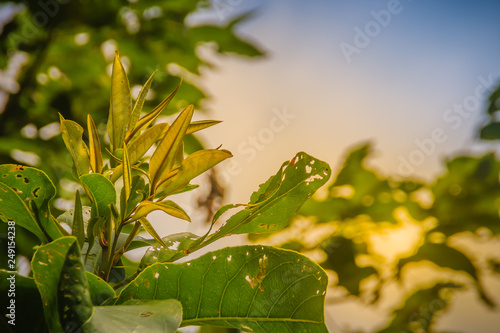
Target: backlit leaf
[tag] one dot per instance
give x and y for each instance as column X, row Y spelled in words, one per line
column 102, row 193
column 163, row 158
column 252, row 288
column 121, row 104
column 95, row 146
column 72, row 136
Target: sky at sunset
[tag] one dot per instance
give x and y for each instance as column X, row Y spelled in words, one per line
column 411, row 76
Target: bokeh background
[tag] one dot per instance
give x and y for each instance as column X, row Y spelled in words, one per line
column 389, row 93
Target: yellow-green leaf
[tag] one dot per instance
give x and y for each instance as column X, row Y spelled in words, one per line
column 121, row 104
column 127, row 173
column 140, row 146
column 139, row 103
column 95, row 146
column 145, row 121
column 167, row 206
column 163, row 158
column 149, row 228
column 193, row 166
column 199, row 125
column 72, row 136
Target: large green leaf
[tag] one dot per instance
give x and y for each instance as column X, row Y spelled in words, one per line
column 177, row 247
column 73, row 296
column 20, row 185
column 252, row 288
column 47, row 264
column 28, row 304
column 121, row 104
column 138, row 316
column 102, row 193
column 447, row 257
column 277, row 200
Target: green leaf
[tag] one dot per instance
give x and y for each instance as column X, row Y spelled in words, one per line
column 127, row 173
column 95, row 146
column 168, row 206
column 149, row 228
column 447, row 257
column 99, row 289
column 121, row 104
column 139, row 103
column 277, row 200
column 72, row 136
column 138, row 316
column 145, row 121
column 78, row 228
column 140, row 146
column 28, row 304
column 163, row 158
column 18, row 186
column 47, row 264
column 102, row 193
column 177, row 247
column 73, row 295
column 193, row 166
column 252, row 288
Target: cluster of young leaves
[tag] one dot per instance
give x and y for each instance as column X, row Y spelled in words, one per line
column 360, row 201
column 64, row 48
column 78, row 277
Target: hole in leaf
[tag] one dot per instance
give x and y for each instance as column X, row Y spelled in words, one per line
column 19, row 175
column 26, row 180
column 35, row 192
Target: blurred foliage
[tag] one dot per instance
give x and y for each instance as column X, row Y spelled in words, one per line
column 343, row 228
column 54, row 52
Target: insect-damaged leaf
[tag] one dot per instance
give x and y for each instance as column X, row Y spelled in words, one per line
column 277, row 200
column 20, row 185
column 252, row 288
column 121, row 104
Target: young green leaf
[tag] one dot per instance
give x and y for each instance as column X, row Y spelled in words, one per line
column 177, row 247
column 149, row 228
column 145, row 121
column 163, row 158
column 252, row 288
column 127, row 173
column 72, row 136
column 139, row 103
column 95, row 146
column 78, row 226
column 140, row 146
column 121, row 104
column 193, row 166
column 167, row 206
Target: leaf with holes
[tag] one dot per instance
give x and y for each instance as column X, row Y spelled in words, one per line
column 274, row 204
column 252, row 288
column 18, row 186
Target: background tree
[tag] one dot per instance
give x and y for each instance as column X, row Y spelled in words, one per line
column 338, row 229
column 53, row 53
